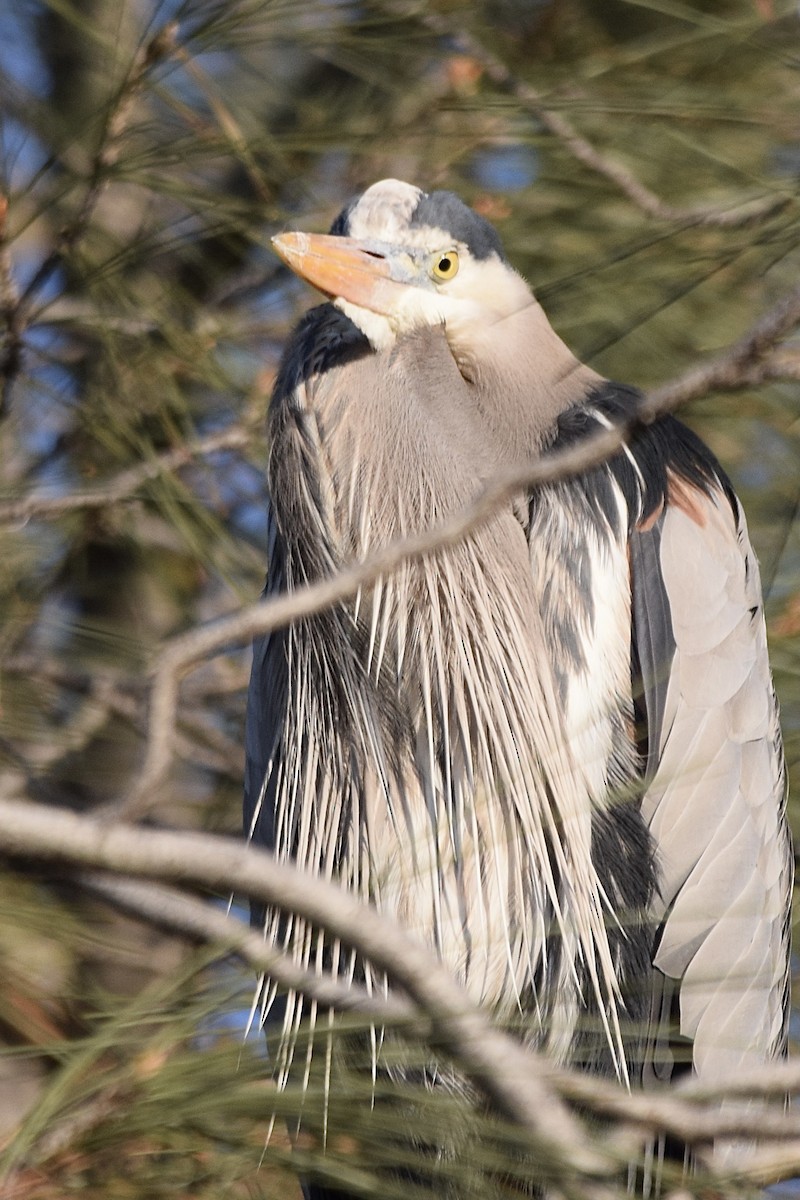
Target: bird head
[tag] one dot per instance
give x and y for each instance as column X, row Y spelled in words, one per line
column 399, row 259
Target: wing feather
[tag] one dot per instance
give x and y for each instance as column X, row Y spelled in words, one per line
column 716, row 803
column 714, row 800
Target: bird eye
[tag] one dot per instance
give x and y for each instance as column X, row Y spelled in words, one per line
column 445, row 266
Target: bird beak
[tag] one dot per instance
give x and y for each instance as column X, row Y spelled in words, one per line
column 344, row 267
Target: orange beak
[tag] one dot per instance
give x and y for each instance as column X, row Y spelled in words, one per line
column 344, row 267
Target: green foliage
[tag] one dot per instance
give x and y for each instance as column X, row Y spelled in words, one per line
column 149, row 152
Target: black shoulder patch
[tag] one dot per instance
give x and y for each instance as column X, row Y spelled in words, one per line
column 324, row 338
column 444, row 210
column 641, row 469
column 341, row 226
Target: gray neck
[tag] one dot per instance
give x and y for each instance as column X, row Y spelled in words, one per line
column 523, row 377
column 420, row 421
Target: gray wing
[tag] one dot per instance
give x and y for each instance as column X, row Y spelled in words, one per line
column 266, row 704
column 715, row 804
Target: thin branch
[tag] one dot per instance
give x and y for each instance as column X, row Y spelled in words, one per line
column 691, row 1115
column 176, row 657
column 126, row 483
column 170, row 909
column 741, row 365
column 75, row 734
column 510, row 1078
column 155, row 50
column 198, row 740
column 747, row 213
column 516, row 1079
column 728, row 369
column 103, row 694
column 678, row 1112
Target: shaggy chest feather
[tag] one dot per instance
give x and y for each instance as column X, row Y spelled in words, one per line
column 427, row 757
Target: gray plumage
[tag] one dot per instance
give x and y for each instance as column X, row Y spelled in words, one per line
column 552, row 750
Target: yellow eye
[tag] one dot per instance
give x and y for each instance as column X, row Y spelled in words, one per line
column 445, row 266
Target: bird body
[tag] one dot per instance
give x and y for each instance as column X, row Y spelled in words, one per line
column 551, row 750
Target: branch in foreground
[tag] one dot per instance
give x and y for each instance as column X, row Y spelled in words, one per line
column 171, row 909
column 124, row 484
column 177, row 656
column 514, row 1081
column 512, row 1076
column 681, row 1115
column 726, row 370
column 675, row 1112
column 738, row 366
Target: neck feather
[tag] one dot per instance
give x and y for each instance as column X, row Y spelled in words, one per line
column 524, row 377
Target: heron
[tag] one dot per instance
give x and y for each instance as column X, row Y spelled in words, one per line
column 551, row 751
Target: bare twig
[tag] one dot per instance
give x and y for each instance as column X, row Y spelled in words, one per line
column 691, row 1116
column 746, row 362
column 125, row 484
column 170, row 909
column 509, row 1078
column 729, row 369
column 87, row 719
column 155, row 50
column 749, row 212
column 179, row 655
column 98, row 696
column 682, row 1112
column 514, row 1078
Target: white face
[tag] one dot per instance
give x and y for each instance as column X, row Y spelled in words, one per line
column 442, row 284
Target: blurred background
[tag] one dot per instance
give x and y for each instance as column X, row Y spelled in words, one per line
column 148, row 151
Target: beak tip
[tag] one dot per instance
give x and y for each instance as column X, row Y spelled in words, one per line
column 287, row 245
column 335, row 266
